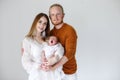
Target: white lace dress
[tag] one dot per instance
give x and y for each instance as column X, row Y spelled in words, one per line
column 31, row 57
column 31, row 60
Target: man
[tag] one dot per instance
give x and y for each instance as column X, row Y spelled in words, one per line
column 68, row 38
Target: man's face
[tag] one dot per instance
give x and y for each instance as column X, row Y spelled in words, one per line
column 56, row 15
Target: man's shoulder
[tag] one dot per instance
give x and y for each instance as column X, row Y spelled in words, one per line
column 70, row 30
column 68, row 26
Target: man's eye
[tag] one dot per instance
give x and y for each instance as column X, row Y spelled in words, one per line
column 52, row 14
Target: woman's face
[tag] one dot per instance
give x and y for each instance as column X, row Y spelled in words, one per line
column 41, row 24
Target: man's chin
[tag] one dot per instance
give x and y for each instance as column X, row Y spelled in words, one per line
column 56, row 24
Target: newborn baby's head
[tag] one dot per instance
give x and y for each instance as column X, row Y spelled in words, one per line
column 52, row 40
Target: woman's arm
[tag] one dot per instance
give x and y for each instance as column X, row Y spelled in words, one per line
column 27, row 59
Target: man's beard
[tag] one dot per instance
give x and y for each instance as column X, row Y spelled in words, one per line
column 57, row 23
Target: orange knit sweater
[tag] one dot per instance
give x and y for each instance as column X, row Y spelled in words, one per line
column 68, row 38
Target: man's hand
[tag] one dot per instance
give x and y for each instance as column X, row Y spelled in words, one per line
column 46, row 67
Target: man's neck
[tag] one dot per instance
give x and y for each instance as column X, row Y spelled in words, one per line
column 59, row 26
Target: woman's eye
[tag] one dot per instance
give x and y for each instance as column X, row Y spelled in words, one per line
column 45, row 23
column 40, row 21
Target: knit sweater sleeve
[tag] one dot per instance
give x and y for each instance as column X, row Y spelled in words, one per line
column 70, row 44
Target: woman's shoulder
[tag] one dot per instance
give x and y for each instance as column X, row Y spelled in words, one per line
column 27, row 39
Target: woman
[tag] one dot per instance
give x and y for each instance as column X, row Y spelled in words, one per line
column 32, row 46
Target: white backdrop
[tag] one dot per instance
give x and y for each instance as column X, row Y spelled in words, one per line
column 97, row 23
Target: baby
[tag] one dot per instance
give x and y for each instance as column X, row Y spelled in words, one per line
column 52, row 51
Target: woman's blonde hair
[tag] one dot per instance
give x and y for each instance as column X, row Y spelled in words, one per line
column 33, row 27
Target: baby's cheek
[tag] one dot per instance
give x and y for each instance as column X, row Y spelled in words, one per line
column 54, row 42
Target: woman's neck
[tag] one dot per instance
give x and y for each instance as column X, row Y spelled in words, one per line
column 38, row 38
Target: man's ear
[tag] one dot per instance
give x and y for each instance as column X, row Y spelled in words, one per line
column 49, row 17
column 63, row 15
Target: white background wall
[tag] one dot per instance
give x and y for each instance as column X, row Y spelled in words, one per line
column 97, row 23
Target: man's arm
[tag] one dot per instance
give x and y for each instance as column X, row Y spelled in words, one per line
column 63, row 60
column 52, row 60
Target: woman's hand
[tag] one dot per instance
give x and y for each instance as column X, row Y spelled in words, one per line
column 44, row 66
